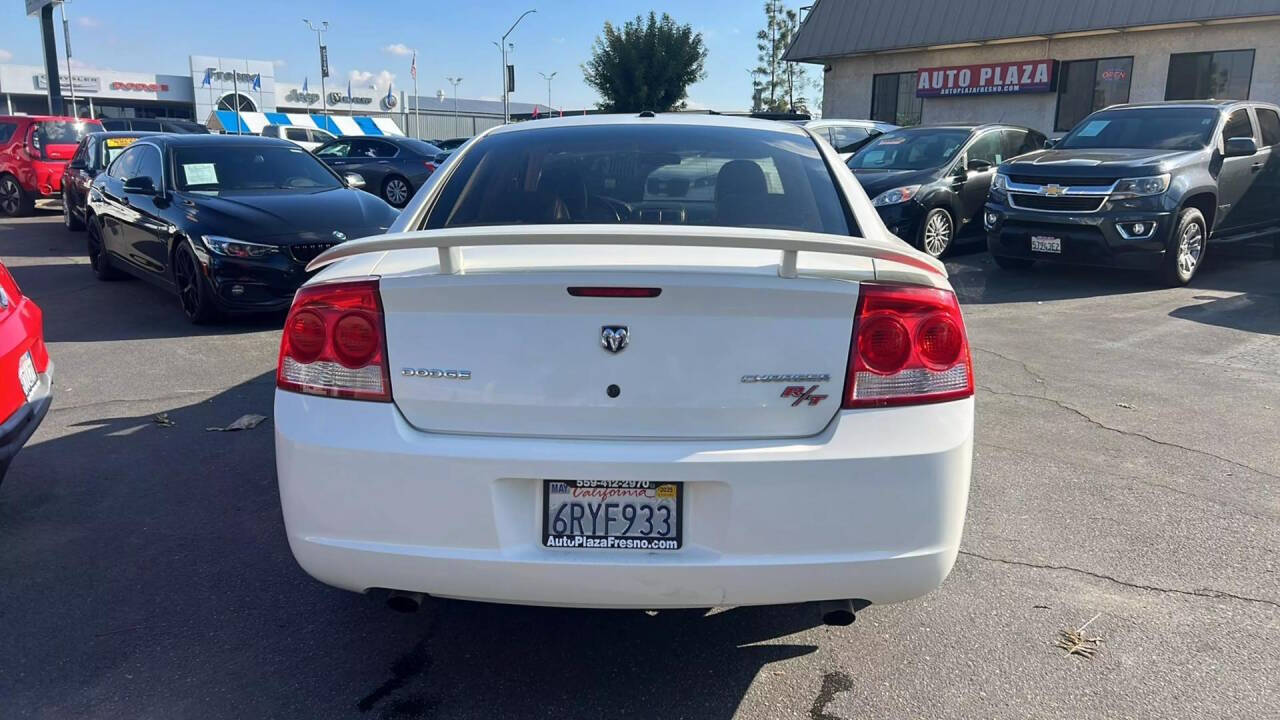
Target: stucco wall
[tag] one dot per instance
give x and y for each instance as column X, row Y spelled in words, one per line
column 847, row 88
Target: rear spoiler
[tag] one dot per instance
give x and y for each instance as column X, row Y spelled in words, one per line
column 450, row 241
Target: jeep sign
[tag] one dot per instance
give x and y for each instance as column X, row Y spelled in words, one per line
column 1027, row 76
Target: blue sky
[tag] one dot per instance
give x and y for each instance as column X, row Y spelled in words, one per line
column 452, row 38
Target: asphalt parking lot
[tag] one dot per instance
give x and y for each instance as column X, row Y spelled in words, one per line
column 1126, row 468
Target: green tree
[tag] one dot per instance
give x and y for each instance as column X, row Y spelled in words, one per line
column 645, row 65
column 779, row 85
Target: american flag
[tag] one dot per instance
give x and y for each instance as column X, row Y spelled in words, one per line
column 413, row 66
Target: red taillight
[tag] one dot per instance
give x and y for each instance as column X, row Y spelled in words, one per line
column 909, row 347
column 334, row 343
column 431, row 167
column 615, row 292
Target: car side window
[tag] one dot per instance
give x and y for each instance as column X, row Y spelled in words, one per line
column 988, row 147
column 381, row 149
column 1020, row 142
column 82, row 153
column 338, row 149
column 1269, row 124
column 320, row 136
column 147, row 125
column 7, row 129
column 847, row 139
column 124, row 166
column 297, row 134
column 150, row 165
column 1238, row 125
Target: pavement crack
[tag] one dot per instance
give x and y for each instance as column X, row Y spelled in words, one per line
column 1025, row 368
column 1200, row 592
column 1129, row 433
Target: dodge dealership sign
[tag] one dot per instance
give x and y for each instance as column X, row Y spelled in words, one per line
column 1007, row 77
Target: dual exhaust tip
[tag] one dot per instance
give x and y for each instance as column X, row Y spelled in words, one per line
column 836, row 613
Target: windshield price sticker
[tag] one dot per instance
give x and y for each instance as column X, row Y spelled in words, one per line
column 120, row 142
column 200, row 174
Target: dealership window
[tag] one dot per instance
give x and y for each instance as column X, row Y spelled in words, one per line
column 1088, row 85
column 893, row 99
column 1224, row 75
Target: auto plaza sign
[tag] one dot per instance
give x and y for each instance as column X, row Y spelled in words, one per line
column 1030, row 76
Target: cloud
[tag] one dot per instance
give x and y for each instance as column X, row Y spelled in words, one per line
column 85, row 21
column 398, row 49
column 278, row 63
column 5, row 55
column 363, row 79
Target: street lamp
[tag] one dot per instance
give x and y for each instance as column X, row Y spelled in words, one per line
column 455, row 81
column 548, row 79
column 324, row 63
column 506, row 111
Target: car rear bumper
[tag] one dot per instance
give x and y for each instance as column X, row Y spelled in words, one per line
column 872, row 508
column 18, row 428
column 46, row 178
column 1088, row 238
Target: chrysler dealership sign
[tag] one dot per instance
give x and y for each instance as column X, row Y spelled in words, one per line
column 988, row 78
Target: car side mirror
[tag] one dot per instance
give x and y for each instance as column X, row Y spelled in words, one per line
column 975, row 165
column 1052, row 142
column 140, row 185
column 1240, row 147
column 354, row 180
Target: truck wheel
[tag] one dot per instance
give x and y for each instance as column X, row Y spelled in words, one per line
column 1185, row 251
column 14, row 201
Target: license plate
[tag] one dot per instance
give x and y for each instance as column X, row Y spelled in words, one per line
column 27, row 377
column 1046, row 244
column 612, row 514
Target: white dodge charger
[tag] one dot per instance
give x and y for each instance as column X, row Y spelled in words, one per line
column 629, row 362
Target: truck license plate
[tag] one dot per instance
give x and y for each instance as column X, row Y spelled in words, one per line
column 612, row 514
column 1046, row 244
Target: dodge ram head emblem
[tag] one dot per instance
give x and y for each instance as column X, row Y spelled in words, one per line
column 613, row 338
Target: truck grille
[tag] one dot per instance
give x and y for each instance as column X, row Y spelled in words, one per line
column 1065, row 203
column 307, row 252
column 1063, row 181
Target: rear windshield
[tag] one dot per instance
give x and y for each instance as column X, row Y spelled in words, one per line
column 1144, row 128
column 220, row 168
column 667, row 174
column 910, row 150
column 57, row 132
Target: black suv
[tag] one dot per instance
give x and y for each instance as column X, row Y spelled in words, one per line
column 929, row 183
column 1141, row 186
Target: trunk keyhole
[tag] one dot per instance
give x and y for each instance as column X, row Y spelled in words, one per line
column 613, row 391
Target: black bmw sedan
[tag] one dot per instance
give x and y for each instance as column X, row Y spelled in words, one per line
column 227, row 222
column 929, row 184
column 392, row 167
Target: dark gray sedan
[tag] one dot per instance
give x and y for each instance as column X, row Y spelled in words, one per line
column 392, row 167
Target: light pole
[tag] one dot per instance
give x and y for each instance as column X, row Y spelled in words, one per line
column 324, row 62
column 455, row 82
column 548, row 79
column 66, row 42
column 506, row 111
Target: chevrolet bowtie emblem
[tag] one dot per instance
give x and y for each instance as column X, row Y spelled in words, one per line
column 1053, row 190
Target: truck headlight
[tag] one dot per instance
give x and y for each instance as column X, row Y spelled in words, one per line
column 230, row 247
column 1140, row 187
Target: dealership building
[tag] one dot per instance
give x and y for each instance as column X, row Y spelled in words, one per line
column 247, row 86
column 1044, row 64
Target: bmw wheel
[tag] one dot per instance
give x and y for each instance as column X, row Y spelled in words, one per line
column 14, row 201
column 937, row 232
column 193, row 291
column 396, row 191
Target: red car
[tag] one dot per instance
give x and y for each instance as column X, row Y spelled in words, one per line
column 26, row 373
column 34, row 150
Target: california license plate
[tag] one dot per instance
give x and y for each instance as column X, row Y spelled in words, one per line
column 27, row 377
column 612, row 514
column 1046, row 244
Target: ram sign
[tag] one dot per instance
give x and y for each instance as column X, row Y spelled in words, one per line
column 1028, row 76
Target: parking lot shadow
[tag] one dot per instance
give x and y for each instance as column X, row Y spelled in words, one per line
column 146, row 566
column 1235, row 267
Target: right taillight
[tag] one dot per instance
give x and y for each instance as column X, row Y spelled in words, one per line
column 334, row 343
column 909, row 347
